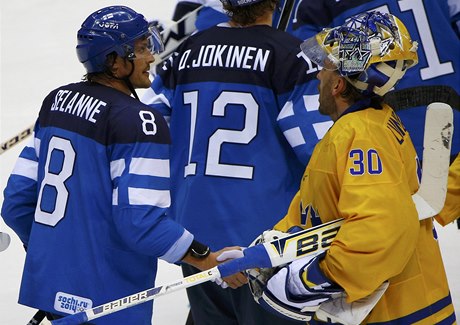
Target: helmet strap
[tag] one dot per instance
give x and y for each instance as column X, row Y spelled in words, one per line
column 131, row 88
column 108, row 74
column 128, row 82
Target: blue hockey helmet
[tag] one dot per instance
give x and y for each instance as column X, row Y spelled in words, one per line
column 113, row 29
column 240, row 3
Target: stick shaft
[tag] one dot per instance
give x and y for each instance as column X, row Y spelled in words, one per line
column 285, row 14
column 138, row 298
column 37, row 318
column 176, row 33
column 8, row 144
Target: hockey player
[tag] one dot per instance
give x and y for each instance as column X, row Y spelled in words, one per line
column 88, row 196
column 435, row 24
column 212, row 12
column 437, row 76
column 364, row 170
column 234, row 94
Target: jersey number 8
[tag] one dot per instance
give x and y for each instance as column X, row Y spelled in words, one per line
column 53, row 194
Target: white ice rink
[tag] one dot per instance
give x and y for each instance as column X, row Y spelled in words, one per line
column 38, row 39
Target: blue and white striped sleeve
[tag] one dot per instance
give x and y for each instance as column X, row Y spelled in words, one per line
column 141, row 199
column 20, row 194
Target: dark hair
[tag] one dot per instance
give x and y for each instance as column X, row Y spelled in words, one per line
column 351, row 94
column 109, row 62
column 247, row 15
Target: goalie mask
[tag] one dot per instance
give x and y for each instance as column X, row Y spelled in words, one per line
column 371, row 50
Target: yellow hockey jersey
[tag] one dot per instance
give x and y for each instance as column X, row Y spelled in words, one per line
column 451, row 209
column 365, row 170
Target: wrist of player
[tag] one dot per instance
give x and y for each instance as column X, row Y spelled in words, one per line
column 198, row 250
column 197, row 255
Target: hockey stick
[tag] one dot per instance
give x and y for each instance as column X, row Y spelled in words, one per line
column 16, row 139
column 325, row 233
column 285, row 15
column 437, row 141
column 281, row 251
column 37, row 318
column 176, row 33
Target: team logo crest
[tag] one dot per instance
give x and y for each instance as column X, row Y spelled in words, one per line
column 354, row 55
column 309, row 212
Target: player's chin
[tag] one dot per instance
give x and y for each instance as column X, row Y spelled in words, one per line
column 144, row 81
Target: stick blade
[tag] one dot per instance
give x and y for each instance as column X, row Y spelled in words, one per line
column 437, row 143
column 176, row 33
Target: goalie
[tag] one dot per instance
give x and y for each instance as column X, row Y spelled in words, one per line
column 364, row 170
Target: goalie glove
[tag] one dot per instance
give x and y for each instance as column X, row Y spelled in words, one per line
column 297, row 290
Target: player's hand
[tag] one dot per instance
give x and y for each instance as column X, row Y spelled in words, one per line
column 213, row 259
column 236, row 280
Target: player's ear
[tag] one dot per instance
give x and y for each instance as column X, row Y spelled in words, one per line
column 339, row 85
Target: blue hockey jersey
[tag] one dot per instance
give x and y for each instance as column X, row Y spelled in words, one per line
column 237, row 99
column 434, row 24
column 88, row 198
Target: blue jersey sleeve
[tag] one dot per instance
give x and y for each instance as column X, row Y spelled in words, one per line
column 20, row 194
column 141, row 183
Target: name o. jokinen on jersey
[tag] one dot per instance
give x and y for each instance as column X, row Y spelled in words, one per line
column 78, row 104
column 225, row 56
